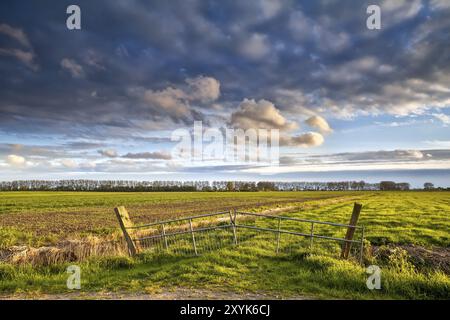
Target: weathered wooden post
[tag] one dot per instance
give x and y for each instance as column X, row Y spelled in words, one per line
column 125, row 222
column 351, row 230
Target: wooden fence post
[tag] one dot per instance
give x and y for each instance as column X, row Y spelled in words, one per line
column 125, row 222
column 351, row 230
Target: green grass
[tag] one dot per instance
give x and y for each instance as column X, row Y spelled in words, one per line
column 246, row 269
column 420, row 218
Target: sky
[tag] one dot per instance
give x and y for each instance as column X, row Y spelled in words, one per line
column 103, row 102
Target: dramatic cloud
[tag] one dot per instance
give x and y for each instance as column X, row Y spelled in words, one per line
column 305, row 140
column 260, row 114
column 169, row 101
column 204, row 89
column 176, row 102
column 162, row 65
column 319, row 123
column 75, row 69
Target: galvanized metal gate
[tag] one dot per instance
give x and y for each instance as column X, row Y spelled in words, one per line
column 202, row 233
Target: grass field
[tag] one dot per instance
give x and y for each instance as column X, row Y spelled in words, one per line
column 394, row 221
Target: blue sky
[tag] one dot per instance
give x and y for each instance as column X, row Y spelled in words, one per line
column 103, row 101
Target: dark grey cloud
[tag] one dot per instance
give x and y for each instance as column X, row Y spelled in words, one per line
column 148, row 155
column 114, row 78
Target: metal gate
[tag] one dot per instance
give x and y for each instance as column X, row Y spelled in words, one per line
column 203, row 233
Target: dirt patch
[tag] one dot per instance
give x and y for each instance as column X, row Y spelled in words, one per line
column 95, row 220
column 175, row 294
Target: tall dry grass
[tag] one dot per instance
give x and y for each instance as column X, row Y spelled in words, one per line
column 66, row 251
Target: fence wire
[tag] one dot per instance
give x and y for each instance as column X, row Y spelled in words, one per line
column 205, row 233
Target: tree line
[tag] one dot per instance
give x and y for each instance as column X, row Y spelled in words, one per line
column 148, row 186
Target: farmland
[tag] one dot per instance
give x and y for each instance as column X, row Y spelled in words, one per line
column 401, row 224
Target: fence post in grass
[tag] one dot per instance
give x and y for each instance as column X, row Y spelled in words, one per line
column 351, row 230
column 193, row 237
column 311, row 236
column 165, row 238
column 125, row 222
column 278, row 235
column 233, row 225
column 361, row 249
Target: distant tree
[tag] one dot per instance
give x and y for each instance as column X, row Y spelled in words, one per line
column 388, row 185
column 428, row 186
column 403, row 186
column 266, row 186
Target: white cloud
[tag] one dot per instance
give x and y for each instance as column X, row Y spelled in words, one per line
column 111, row 153
column 69, row 163
column 304, row 140
column 175, row 102
column 401, row 98
column 319, row 123
column 204, row 89
column 171, row 101
column 442, row 117
column 15, row 161
column 438, row 143
column 88, row 165
column 75, row 69
column 260, row 114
